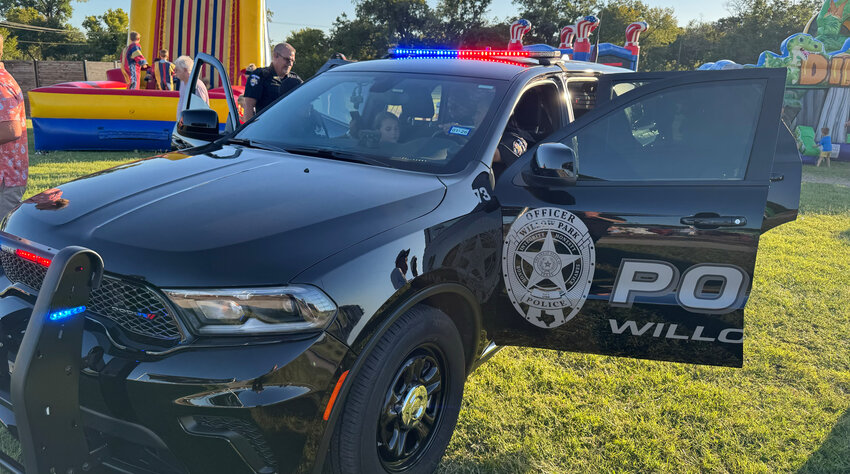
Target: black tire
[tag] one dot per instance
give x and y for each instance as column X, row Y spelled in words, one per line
column 422, row 339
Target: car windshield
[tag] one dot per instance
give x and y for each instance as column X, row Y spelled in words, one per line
column 418, row 122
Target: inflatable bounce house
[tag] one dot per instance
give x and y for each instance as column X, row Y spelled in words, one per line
column 817, row 89
column 104, row 115
column 576, row 43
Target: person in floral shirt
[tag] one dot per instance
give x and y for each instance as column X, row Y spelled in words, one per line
column 14, row 157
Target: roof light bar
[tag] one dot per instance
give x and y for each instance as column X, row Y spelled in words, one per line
column 65, row 313
column 469, row 53
column 512, row 62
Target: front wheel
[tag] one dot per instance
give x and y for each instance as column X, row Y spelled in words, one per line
column 401, row 410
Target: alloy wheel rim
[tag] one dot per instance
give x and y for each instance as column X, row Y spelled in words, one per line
column 412, row 409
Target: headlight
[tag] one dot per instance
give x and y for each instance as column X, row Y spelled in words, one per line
column 255, row 310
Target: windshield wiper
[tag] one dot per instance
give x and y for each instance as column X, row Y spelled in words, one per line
column 254, row 144
column 336, row 155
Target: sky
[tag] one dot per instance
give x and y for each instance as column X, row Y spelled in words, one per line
column 292, row 15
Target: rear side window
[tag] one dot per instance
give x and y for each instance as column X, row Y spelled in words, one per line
column 692, row 132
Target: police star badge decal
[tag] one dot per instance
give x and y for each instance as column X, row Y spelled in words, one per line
column 548, row 261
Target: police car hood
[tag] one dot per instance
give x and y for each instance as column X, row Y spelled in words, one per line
column 234, row 217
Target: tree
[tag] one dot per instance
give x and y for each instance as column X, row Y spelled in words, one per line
column 493, row 36
column 663, row 30
column 107, row 34
column 44, row 44
column 10, row 45
column 759, row 25
column 358, row 38
column 406, row 22
column 695, row 46
column 459, row 17
column 312, row 49
column 55, row 12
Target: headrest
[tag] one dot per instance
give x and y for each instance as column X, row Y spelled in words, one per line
column 417, row 104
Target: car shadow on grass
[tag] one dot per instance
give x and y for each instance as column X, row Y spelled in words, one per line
column 834, row 454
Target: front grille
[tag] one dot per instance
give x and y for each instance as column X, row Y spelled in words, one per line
column 135, row 308
column 243, row 428
column 24, row 271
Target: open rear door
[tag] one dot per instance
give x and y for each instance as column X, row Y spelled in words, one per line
column 221, row 100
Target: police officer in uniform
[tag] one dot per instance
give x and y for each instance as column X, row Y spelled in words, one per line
column 266, row 84
column 515, row 141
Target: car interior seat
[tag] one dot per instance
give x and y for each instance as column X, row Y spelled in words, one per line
column 417, row 105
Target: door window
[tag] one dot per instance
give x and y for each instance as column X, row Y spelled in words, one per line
column 202, row 96
column 536, row 115
column 693, row 132
column 582, row 95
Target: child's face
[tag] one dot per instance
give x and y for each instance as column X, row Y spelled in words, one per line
column 389, row 131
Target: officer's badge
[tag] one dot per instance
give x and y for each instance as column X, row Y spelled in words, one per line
column 254, row 80
column 520, row 145
column 548, row 262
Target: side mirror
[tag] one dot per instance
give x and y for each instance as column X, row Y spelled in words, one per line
column 200, row 124
column 554, row 164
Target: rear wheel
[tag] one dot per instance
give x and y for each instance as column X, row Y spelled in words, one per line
column 401, row 410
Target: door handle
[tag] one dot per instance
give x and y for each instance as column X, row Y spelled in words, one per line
column 713, row 221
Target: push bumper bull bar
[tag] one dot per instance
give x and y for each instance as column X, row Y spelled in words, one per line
column 44, row 385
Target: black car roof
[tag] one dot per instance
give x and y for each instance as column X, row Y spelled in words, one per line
column 466, row 67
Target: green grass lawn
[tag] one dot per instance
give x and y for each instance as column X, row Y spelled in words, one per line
column 786, row 410
column 838, row 169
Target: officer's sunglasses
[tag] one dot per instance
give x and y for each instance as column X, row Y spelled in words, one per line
column 287, row 59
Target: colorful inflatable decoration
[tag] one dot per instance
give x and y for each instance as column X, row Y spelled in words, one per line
column 817, row 88
column 233, row 31
column 584, row 27
column 568, row 36
column 106, row 116
column 519, row 29
column 103, row 115
column 576, row 43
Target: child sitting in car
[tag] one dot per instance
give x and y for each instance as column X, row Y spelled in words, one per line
column 387, row 124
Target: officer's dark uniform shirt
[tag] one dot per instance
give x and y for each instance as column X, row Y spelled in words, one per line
column 513, row 144
column 265, row 86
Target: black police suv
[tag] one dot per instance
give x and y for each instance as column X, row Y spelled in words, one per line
column 308, row 292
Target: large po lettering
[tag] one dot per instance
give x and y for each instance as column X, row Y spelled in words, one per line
column 704, row 288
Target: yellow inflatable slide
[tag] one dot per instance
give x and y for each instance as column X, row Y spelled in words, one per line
column 104, row 115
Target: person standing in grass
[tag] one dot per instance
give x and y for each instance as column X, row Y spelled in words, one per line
column 14, row 156
column 825, row 146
